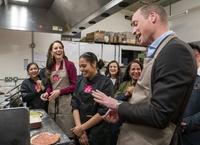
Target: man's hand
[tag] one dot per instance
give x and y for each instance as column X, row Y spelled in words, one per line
column 111, row 116
column 103, row 99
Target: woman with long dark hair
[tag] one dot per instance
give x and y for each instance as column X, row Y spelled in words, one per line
column 62, row 77
column 113, row 72
column 130, row 78
column 32, row 88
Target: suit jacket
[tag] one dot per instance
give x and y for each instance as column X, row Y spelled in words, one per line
column 172, row 77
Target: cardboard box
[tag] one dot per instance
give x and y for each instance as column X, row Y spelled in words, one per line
column 113, row 37
column 126, row 38
column 121, row 38
column 97, row 36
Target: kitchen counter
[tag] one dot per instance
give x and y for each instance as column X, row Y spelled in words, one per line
column 49, row 125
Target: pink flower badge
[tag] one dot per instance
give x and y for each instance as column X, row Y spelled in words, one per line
column 88, row 89
column 56, row 77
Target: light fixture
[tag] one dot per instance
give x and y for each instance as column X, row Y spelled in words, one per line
column 105, row 14
column 92, row 22
column 23, row 1
column 123, row 4
column 81, row 28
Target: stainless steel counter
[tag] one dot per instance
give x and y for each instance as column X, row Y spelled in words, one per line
column 49, row 125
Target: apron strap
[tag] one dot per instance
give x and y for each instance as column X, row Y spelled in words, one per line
column 164, row 42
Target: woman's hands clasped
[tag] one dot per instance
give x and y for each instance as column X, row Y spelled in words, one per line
column 53, row 95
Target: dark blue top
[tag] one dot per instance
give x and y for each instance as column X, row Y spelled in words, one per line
column 191, row 135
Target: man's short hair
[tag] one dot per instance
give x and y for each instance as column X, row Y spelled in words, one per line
column 194, row 46
column 148, row 8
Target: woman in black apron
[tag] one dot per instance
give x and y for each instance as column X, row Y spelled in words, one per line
column 90, row 127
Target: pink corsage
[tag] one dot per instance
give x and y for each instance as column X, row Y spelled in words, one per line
column 56, row 77
column 37, row 87
column 88, row 89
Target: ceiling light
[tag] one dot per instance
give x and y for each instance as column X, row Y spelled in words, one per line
column 81, row 28
column 24, row 1
column 123, row 4
column 92, row 22
column 105, row 14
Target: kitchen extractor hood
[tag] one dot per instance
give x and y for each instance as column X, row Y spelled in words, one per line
column 67, row 17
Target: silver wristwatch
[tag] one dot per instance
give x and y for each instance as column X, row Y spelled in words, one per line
column 118, row 103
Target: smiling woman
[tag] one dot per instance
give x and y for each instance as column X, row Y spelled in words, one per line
column 90, row 127
column 113, row 72
column 61, row 75
column 32, row 88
